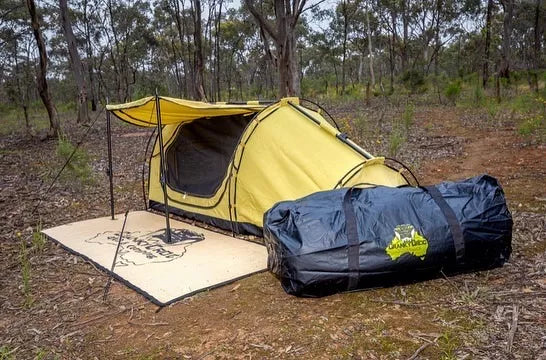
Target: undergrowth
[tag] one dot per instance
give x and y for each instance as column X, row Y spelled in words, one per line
column 6, row 353
column 38, row 239
column 78, row 167
column 25, row 270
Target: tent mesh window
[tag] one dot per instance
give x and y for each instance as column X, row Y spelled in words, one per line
column 198, row 159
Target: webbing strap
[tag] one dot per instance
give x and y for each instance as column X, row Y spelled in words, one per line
column 454, row 226
column 353, row 244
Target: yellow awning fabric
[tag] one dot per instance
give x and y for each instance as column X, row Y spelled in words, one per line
column 175, row 111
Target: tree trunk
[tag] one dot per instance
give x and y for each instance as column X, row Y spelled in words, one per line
column 391, row 50
column 217, row 51
column 199, row 86
column 90, row 61
column 405, row 36
column 22, row 96
column 437, row 44
column 283, row 35
column 370, row 51
column 487, row 43
column 288, row 70
column 344, row 45
column 360, row 67
column 75, row 61
column 504, row 70
column 41, row 77
column 181, row 29
column 537, row 44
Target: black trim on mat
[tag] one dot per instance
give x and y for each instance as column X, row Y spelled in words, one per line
column 247, row 228
column 139, row 290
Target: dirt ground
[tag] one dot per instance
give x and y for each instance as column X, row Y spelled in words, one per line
column 497, row 314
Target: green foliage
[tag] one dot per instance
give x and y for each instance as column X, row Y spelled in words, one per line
column 532, row 125
column 41, row 354
column 479, row 95
column 6, row 353
column 38, row 239
column 447, row 344
column 397, row 138
column 25, row 270
column 78, row 167
column 407, row 116
column 492, row 108
column 524, row 103
column 414, row 81
column 452, row 91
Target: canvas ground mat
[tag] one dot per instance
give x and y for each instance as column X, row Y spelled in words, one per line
column 199, row 260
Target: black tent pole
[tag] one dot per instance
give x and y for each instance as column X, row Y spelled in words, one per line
column 110, row 171
column 162, row 172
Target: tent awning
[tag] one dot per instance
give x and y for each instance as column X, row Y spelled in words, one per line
column 175, row 111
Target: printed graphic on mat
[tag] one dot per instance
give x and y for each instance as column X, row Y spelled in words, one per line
column 407, row 241
column 139, row 247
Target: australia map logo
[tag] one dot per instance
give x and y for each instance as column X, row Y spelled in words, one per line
column 407, row 240
column 140, row 247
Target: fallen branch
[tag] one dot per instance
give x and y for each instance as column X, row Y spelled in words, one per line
column 423, row 347
column 149, row 324
column 98, row 318
column 404, row 303
column 513, row 327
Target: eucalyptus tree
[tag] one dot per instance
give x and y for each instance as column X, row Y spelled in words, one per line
column 41, row 76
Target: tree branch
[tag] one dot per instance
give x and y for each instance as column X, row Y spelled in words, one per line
column 262, row 22
column 302, row 10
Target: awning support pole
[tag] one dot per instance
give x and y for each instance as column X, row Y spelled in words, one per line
column 110, row 171
column 163, row 170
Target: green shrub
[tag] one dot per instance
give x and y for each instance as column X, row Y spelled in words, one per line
column 407, row 116
column 25, row 270
column 78, row 166
column 479, row 95
column 396, row 140
column 6, row 353
column 38, row 239
column 531, row 125
column 524, row 103
column 452, row 91
column 492, row 108
column 414, row 81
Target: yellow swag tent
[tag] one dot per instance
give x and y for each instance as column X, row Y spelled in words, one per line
column 226, row 164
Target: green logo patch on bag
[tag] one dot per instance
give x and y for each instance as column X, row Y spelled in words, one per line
column 407, row 241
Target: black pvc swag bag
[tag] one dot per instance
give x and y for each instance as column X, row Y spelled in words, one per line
column 350, row 239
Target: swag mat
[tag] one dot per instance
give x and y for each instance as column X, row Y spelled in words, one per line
column 164, row 273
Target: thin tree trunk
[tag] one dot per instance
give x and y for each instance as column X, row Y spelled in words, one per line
column 370, row 51
column 344, row 45
column 22, row 95
column 537, row 44
column 487, row 43
column 90, row 60
column 181, row 29
column 41, row 78
column 405, row 35
column 217, row 51
column 75, row 60
column 504, row 70
column 360, row 67
column 391, row 50
column 199, row 90
column 437, row 45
